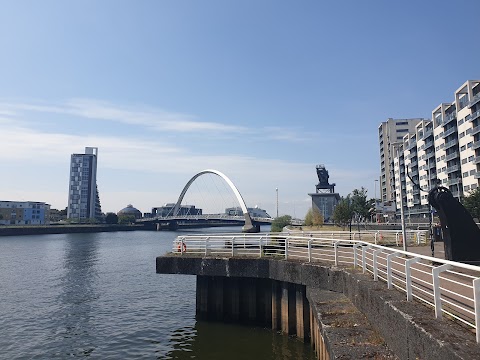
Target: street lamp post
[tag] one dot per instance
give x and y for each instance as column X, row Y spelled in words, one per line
column 375, row 184
column 276, row 190
column 402, row 214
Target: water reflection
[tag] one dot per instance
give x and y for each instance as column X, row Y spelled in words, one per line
column 75, row 330
column 215, row 340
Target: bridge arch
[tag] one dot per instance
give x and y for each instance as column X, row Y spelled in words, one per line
column 249, row 225
column 239, row 197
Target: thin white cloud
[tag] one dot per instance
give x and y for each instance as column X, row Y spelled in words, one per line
column 286, row 134
column 149, row 118
column 154, row 119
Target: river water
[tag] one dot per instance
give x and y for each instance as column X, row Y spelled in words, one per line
column 98, row 296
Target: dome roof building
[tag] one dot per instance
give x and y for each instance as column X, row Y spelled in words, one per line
column 130, row 210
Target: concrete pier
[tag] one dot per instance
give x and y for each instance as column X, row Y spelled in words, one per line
column 341, row 312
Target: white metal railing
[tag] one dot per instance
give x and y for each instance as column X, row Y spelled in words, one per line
column 378, row 237
column 451, row 288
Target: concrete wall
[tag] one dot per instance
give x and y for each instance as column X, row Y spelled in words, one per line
column 349, row 313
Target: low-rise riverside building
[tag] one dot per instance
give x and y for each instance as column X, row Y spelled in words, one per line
column 24, row 213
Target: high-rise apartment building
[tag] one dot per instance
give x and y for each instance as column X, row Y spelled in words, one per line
column 83, row 199
column 390, row 136
column 442, row 151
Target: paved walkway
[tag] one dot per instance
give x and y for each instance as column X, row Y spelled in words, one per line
column 427, row 251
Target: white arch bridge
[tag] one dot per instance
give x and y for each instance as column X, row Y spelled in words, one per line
column 174, row 221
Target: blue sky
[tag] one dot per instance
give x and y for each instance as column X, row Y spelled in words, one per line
column 259, row 90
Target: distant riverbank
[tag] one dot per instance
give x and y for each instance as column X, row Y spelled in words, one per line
column 65, row 229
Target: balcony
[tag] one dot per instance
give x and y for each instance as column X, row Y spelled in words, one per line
column 475, row 115
column 455, row 193
column 426, row 134
column 475, row 130
column 428, row 144
column 449, row 132
column 449, row 118
column 476, row 145
column 477, row 175
column 454, row 181
column 451, row 143
column 452, row 156
column 476, row 160
column 411, row 144
column 453, row 168
column 430, row 155
column 475, row 99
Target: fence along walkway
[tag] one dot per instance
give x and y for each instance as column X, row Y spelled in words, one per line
column 450, row 288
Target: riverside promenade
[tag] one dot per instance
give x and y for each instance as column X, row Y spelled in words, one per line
column 413, row 306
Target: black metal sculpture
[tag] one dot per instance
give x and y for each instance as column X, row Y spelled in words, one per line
column 461, row 235
column 323, row 185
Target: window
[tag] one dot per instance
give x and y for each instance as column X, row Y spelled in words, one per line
column 463, row 148
column 402, row 130
column 464, row 161
column 470, row 158
column 470, row 144
column 474, row 186
column 442, row 157
column 472, row 172
column 466, row 187
column 461, row 135
column 402, row 123
column 460, row 122
column 469, row 131
column 465, row 174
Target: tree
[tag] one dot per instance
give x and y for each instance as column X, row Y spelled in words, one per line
column 313, row 217
column 279, row 223
column 309, row 218
column 343, row 212
column 111, row 218
column 472, row 203
column 360, row 205
column 126, row 219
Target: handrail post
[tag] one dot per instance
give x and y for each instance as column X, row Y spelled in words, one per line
column 206, row 245
column 309, row 250
column 260, row 246
column 476, row 304
column 375, row 264
column 355, row 254
column 375, row 237
column 364, row 263
column 233, row 246
column 408, row 276
column 436, row 288
column 389, row 269
column 335, row 247
column 286, row 248
column 396, row 238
